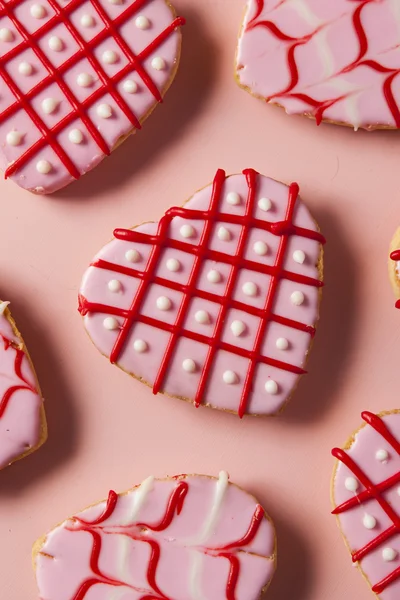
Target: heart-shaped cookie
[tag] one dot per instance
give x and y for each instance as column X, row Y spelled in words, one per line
column 217, row 303
column 394, row 265
column 333, row 61
column 22, row 419
column 366, row 497
column 77, row 77
column 185, row 537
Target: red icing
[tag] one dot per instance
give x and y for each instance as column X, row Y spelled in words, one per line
column 173, row 510
column 284, row 229
column 395, row 255
column 25, row 385
column 376, row 492
column 318, row 108
column 86, row 50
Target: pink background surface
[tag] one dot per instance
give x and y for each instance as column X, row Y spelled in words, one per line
column 107, row 430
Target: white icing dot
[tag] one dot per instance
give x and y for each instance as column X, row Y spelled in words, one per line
column 114, row 285
column 282, row 344
column 297, row 298
column 189, row 365
column 84, row 80
column 43, row 166
column 202, row 317
column 49, row 105
column 110, row 57
column 158, row 63
column 163, row 303
column 14, row 138
column 133, row 256
column 56, row 43
column 233, row 199
column 130, row 86
column 224, row 234
column 173, row 265
column 271, row 387
column 389, row 554
column 351, row 484
column 142, row 22
column 230, row 377
column 237, row 328
column 25, row 68
column 260, row 248
column 38, row 11
column 140, row 346
column 104, row 111
column 187, row 231
column 250, row 288
column 382, row 455
column 265, row 204
column 299, row 256
column 110, row 323
column 87, row 21
column 6, row 35
column 75, row 136
column 369, row 521
column 214, row 276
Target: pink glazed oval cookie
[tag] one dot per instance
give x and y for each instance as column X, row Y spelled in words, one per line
column 172, row 539
column 366, row 497
column 23, row 426
column 77, row 78
column 217, row 303
column 336, row 61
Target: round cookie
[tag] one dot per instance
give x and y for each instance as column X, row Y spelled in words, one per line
column 333, row 61
column 189, row 536
column 394, row 265
column 217, row 303
column 77, row 80
column 366, row 500
column 23, row 426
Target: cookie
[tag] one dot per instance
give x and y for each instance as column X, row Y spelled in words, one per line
column 394, row 265
column 332, row 61
column 366, row 497
column 189, row 536
column 22, row 418
column 77, row 79
column 217, row 303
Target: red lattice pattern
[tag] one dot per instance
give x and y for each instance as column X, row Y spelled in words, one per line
column 375, row 492
column 55, row 75
column 201, row 252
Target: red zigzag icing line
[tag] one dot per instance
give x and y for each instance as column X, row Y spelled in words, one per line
column 375, row 492
column 19, row 356
column 318, row 108
column 79, row 109
column 284, row 229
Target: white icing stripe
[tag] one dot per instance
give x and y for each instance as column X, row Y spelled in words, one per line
column 139, row 498
column 196, row 560
column 213, row 517
column 123, row 558
column 325, row 52
column 3, row 306
column 395, row 6
column 305, row 12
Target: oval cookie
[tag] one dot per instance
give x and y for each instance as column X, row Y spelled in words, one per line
column 366, row 497
column 173, row 539
column 22, row 419
column 333, row 61
column 77, row 78
column 217, row 303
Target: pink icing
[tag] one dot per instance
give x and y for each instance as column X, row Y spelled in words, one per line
column 68, row 160
column 178, row 382
column 20, row 403
column 337, row 61
column 120, row 557
column 363, row 451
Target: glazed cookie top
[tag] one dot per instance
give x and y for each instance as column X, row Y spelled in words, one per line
column 77, row 77
column 366, row 493
column 217, row 302
column 337, row 61
column 20, row 402
column 188, row 537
